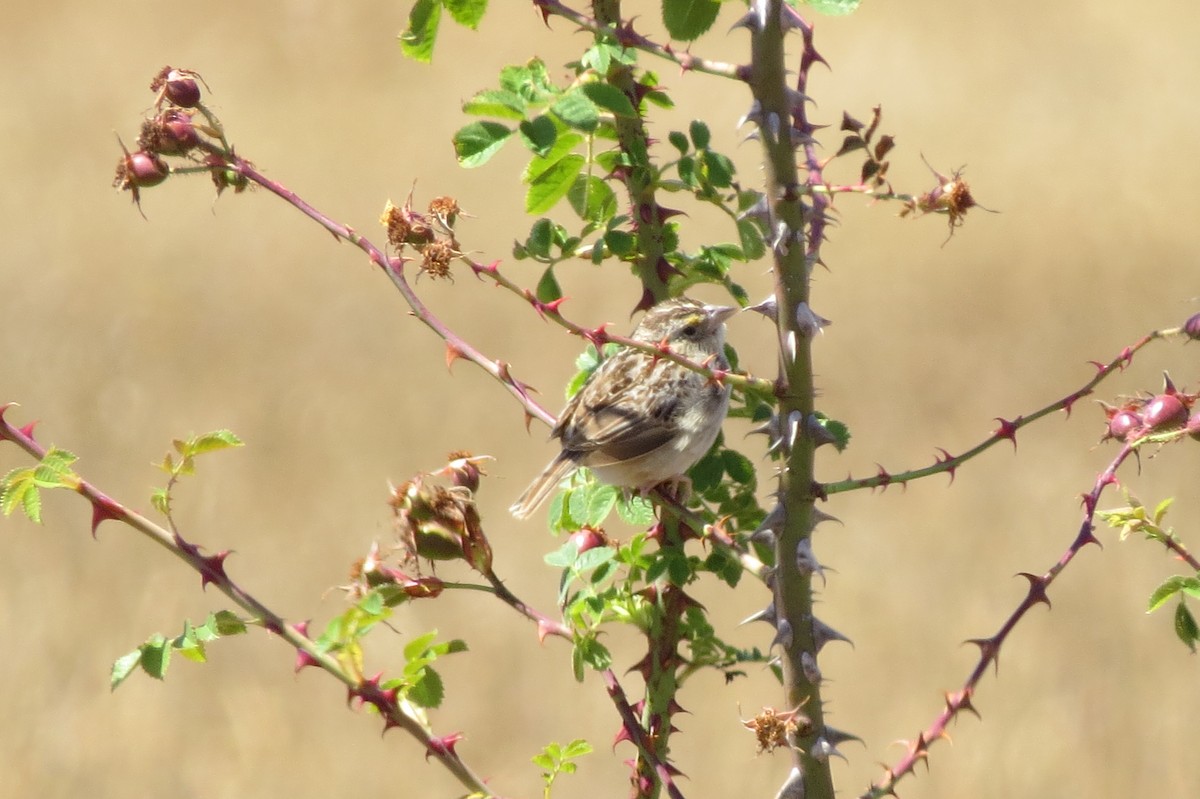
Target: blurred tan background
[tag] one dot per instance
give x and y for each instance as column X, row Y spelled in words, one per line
column 1078, row 122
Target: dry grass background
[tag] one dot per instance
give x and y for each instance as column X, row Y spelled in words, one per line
column 1078, row 121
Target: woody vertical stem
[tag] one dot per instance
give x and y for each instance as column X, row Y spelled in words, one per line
column 795, row 235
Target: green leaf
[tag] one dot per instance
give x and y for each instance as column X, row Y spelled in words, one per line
column 541, row 236
column 701, row 136
column 212, row 442
column 540, row 134
column 738, row 466
column 592, row 199
column 548, row 289
column 20, row 490
column 577, row 111
column 563, row 144
column 417, row 41
column 577, row 748
column 718, row 169
column 161, row 501
column 593, row 653
column 1160, row 510
column 707, row 472
column 610, row 98
column 226, row 622
column 531, row 80
column 467, row 13
column 476, row 143
column 1185, row 627
column 549, row 187
column 156, row 656
column 751, row 239
column 592, row 503
column 563, row 557
column 428, row 690
column 686, row 20
column 594, row 558
column 496, row 103
column 619, row 242
column 679, row 568
column 833, row 8
column 123, row 667
column 598, row 57
column 678, row 141
column 636, row 511
column 1167, row 589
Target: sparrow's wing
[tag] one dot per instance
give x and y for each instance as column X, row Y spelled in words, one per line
column 627, row 410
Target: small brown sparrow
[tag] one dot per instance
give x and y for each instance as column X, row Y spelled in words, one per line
column 640, row 420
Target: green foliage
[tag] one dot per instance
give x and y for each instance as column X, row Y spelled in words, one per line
column 154, row 656
column 476, row 143
column 418, row 39
column 556, row 759
column 21, row 488
column 572, row 133
column 184, row 463
column 833, row 8
column 687, row 20
column 419, row 683
column 1135, row 518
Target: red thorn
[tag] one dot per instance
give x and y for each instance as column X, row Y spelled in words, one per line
column 959, row 701
column 1037, row 588
column 642, row 667
column 989, row 650
column 1101, row 368
column 1086, row 536
column 884, row 477
column 491, row 268
column 1008, row 430
column 187, row 547
column 544, row 308
column 368, row 691
column 453, row 353
column 544, row 629
column 646, row 301
column 622, row 735
column 597, row 336
column 213, row 569
column 444, row 746
column 1070, row 401
column 103, row 509
column 1089, row 503
column 303, row 660
column 1125, row 358
column 946, row 457
column 27, row 430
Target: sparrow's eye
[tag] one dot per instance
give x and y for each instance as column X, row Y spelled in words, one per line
column 689, row 331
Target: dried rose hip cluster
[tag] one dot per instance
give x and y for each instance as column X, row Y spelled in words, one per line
column 179, row 127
